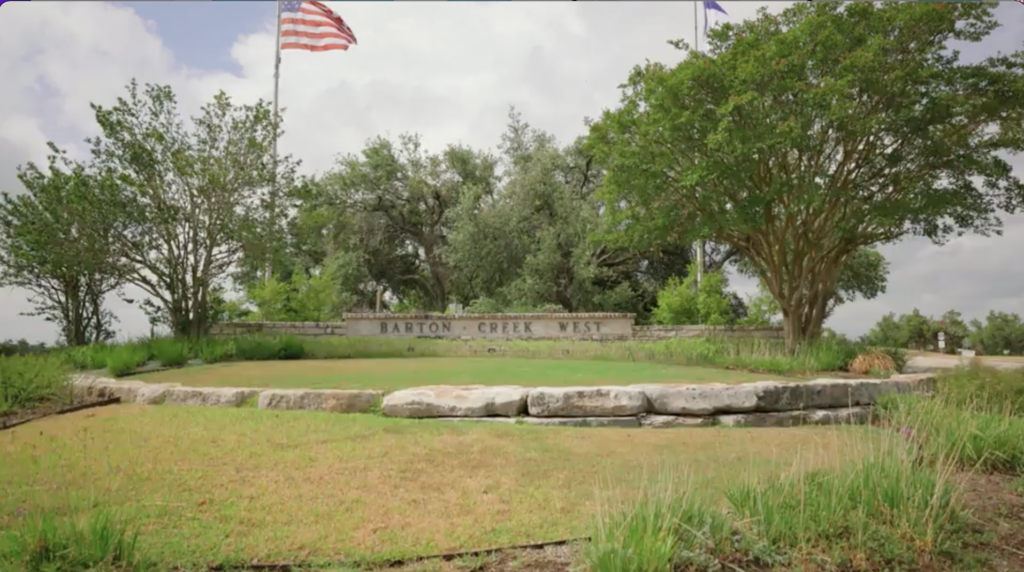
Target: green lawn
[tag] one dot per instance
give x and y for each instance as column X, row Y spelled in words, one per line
column 399, row 373
column 211, row 485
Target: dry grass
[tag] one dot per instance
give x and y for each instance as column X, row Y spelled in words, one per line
column 871, row 362
column 214, row 485
column 399, row 373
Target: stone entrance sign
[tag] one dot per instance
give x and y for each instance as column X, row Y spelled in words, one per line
column 525, row 326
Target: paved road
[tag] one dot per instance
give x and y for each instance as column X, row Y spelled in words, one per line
column 918, row 364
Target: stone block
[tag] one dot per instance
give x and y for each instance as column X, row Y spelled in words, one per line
column 610, row 401
column 456, row 401
column 209, row 396
column 583, row 421
column 672, row 421
column 327, row 400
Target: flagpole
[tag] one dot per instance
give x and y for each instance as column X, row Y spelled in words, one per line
column 277, row 83
column 700, row 243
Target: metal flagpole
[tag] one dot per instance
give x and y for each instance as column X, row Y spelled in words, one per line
column 700, row 243
column 277, row 83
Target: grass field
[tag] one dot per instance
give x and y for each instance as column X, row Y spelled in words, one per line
column 399, row 373
column 211, row 485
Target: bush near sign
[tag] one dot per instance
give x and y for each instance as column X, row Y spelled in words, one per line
column 507, row 326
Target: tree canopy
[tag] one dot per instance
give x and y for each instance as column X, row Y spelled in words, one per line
column 802, row 138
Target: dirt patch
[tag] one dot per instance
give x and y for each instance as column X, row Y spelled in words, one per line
column 17, row 417
column 998, row 510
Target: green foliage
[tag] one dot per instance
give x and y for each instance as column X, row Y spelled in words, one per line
column 264, row 348
column 56, row 242
column 681, row 302
column 125, row 359
column 750, row 145
column 212, row 350
column 31, row 380
column 217, row 168
column 1002, row 333
column 170, row 352
column 290, row 347
column 762, row 309
column 106, row 541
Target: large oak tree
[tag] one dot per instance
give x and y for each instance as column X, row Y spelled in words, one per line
column 801, row 138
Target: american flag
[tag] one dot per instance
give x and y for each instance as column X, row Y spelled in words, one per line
column 313, row 27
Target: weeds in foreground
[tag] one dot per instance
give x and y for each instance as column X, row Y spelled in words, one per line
column 879, row 511
column 983, row 389
column 104, row 541
column 30, row 380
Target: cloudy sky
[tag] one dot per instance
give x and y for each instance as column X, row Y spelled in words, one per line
column 448, row 71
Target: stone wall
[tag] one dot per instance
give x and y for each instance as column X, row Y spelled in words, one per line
column 302, row 329
column 639, row 333
column 759, row 404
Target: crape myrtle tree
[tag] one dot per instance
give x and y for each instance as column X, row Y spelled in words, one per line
column 801, row 138
column 55, row 242
column 189, row 194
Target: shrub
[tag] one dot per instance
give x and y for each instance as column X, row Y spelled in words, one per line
column 31, row 380
column 212, row 350
column 290, row 347
column 91, row 357
column 125, row 359
column 256, row 348
column 104, row 541
column 170, row 352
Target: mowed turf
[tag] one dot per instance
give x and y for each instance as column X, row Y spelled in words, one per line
column 399, row 373
column 216, row 485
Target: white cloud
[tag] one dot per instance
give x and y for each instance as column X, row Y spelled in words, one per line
column 446, row 70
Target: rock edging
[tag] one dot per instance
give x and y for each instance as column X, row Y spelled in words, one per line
column 758, row 404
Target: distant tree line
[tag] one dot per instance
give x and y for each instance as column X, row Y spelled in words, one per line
column 1001, row 333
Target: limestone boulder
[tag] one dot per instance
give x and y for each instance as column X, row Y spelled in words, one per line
column 456, row 401
column 502, row 420
column 673, row 421
column 583, row 421
column 87, row 388
column 839, row 416
column 209, row 396
column 772, row 419
column 710, row 398
column 776, row 396
column 327, row 400
column 608, row 401
column 836, row 416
